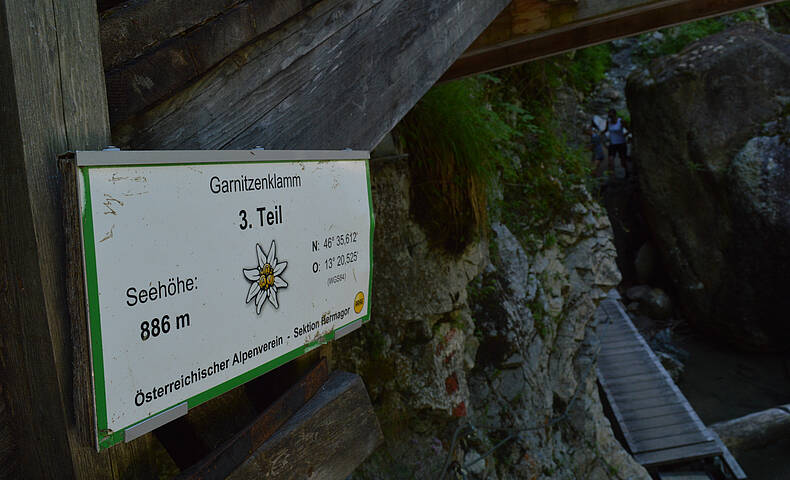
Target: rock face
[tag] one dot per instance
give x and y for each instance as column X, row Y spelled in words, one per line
column 464, row 352
column 714, row 171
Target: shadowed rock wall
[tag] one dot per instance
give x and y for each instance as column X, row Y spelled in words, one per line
column 497, row 339
column 714, row 178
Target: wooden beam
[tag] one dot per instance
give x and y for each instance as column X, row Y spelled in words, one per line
column 227, row 458
column 511, row 43
column 51, row 100
column 151, row 49
column 341, row 74
column 527, row 17
column 327, row 438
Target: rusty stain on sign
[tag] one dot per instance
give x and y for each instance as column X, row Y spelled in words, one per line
column 108, row 235
column 139, row 178
column 108, row 203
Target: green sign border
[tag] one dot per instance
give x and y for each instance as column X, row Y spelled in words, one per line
column 107, row 438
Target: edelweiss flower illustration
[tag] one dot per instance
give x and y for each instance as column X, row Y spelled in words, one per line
column 265, row 279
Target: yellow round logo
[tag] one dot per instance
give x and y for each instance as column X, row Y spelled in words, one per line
column 359, row 302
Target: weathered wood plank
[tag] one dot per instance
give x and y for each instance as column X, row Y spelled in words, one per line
column 45, row 110
column 645, row 379
column 686, row 453
column 83, row 433
column 53, row 100
column 630, row 371
column 225, row 459
column 631, row 364
column 620, row 351
column 620, row 335
column 164, row 49
column 606, row 349
column 337, row 427
column 182, row 442
column 646, row 404
column 672, row 441
column 525, row 17
column 131, row 28
column 635, row 387
column 627, row 394
column 625, row 360
column 674, row 409
column 683, row 476
column 623, row 354
column 617, row 344
column 639, row 424
column 268, row 93
column 664, row 431
column 617, row 337
column 602, row 28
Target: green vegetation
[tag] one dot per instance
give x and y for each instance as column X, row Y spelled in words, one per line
column 457, row 148
column 675, row 39
column 547, row 182
column 779, row 16
column 467, row 135
column 541, row 319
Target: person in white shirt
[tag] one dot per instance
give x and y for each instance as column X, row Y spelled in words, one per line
column 618, row 144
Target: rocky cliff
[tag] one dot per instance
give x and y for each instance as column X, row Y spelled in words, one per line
column 713, row 166
column 483, row 362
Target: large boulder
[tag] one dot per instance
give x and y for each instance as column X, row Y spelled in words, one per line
column 714, row 168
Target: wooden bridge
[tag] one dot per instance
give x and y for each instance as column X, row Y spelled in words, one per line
column 659, row 426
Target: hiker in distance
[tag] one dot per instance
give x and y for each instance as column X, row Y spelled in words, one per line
column 596, row 147
column 618, row 142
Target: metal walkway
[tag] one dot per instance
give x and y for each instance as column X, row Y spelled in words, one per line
column 659, row 425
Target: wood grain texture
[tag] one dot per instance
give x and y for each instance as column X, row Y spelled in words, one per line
column 132, row 28
column 227, row 457
column 326, row 439
column 685, row 453
column 663, row 431
column 34, row 131
column 152, row 49
column 638, row 383
column 651, row 412
column 526, row 17
column 8, row 467
column 654, row 391
column 640, row 424
column 53, row 100
column 579, row 31
column 670, row 441
column 327, row 60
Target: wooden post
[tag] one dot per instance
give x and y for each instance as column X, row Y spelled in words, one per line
column 52, row 99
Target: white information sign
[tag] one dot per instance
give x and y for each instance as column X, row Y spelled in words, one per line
column 206, row 269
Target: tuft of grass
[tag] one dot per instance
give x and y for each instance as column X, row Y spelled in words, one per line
column 455, row 144
column 465, row 135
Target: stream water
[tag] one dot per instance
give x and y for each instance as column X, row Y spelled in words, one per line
column 722, row 383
